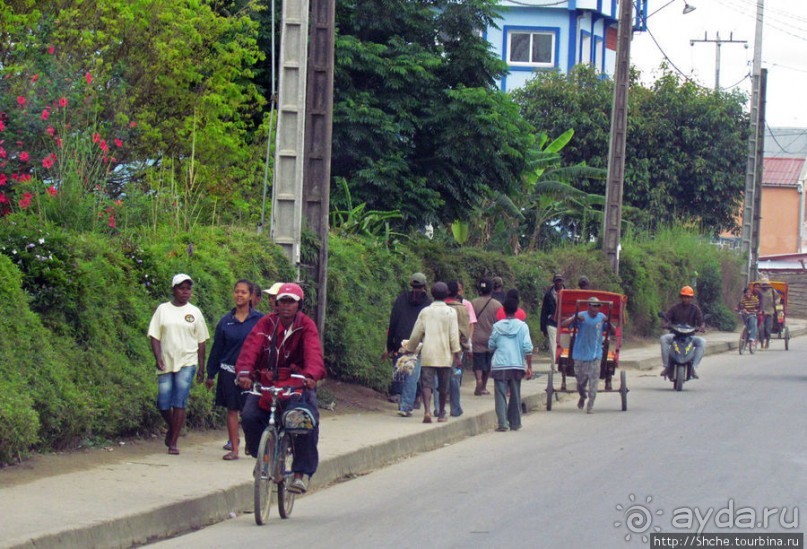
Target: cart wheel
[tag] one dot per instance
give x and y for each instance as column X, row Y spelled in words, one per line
column 550, row 391
column 623, row 389
column 787, row 338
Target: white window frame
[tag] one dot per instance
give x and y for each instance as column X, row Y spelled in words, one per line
column 533, row 33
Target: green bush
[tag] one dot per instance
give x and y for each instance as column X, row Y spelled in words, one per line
column 74, row 319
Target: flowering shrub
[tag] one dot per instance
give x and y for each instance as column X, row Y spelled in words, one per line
column 60, row 153
column 44, row 260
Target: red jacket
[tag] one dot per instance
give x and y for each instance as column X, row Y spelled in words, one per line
column 297, row 348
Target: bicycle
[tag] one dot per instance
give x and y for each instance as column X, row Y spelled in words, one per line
column 273, row 473
column 745, row 341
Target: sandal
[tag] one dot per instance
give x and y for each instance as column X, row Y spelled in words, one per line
column 427, row 418
column 230, row 456
column 173, row 450
column 228, row 446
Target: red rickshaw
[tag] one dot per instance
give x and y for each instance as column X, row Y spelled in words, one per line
column 572, row 302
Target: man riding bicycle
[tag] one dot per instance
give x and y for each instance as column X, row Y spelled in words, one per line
column 748, row 307
column 685, row 312
column 282, row 343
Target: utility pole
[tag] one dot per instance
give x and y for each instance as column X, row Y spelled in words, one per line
column 718, row 43
column 612, row 218
column 750, row 229
column 318, row 138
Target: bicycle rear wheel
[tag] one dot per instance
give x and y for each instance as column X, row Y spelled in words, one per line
column 263, row 476
column 285, row 499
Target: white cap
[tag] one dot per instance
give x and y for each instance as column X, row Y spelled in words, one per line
column 179, row 279
column 274, row 289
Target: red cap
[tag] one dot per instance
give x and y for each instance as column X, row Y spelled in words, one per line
column 291, row 290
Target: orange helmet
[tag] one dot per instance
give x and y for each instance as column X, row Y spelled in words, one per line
column 687, row 291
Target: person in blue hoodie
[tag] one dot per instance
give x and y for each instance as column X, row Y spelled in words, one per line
column 511, row 346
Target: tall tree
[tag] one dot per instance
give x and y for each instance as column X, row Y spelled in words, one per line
column 418, row 124
column 686, row 145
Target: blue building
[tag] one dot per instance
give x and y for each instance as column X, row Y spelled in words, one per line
column 541, row 35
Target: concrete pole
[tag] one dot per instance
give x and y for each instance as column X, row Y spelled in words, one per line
column 754, row 142
column 612, row 218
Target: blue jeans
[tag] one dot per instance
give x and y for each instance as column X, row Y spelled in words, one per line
column 750, row 321
column 453, row 392
column 410, row 389
column 173, row 389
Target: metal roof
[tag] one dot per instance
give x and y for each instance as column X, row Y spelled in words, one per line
column 782, row 172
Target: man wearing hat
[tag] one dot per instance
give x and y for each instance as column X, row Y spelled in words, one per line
column 272, row 293
column 685, row 312
column 282, row 343
column 587, row 351
column 405, row 311
column 767, row 305
column 549, row 324
column 178, row 333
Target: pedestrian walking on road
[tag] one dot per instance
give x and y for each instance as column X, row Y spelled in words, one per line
column 587, row 351
column 402, row 318
column 549, row 323
column 455, row 301
column 437, row 328
column 485, row 307
column 512, row 361
column 177, row 332
column 231, row 331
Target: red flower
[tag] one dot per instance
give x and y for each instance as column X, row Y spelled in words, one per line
column 58, row 142
column 88, row 78
column 25, row 201
column 104, row 147
column 111, row 221
column 96, row 137
column 51, row 50
column 118, row 143
column 15, row 177
column 25, row 177
column 118, row 202
column 132, row 124
column 3, row 179
column 51, row 190
column 20, row 101
column 34, row 78
column 51, row 131
column 3, row 199
column 47, row 162
column 3, row 153
column 62, row 102
column 45, row 114
column 24, row 156
column 2, row 125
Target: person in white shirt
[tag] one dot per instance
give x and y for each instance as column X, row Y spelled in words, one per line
column 178, row 333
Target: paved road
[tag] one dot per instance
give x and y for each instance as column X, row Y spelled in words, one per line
column 734, row 438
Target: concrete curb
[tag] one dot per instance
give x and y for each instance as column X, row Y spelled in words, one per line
column 194, row 513
column 178, row 517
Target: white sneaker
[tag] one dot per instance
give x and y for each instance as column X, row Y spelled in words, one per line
column 297, row 486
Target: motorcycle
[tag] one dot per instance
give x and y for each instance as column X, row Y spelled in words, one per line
column 682, row 353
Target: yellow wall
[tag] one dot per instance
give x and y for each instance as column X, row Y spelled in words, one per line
column 780, row 221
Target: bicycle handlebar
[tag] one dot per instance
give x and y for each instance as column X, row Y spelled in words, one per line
column 287, row 391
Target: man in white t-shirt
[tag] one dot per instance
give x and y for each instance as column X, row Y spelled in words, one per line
column 178, row 333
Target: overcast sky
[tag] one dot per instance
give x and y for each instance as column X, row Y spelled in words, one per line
column 784, row 49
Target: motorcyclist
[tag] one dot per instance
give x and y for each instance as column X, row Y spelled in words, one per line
column 685, row 312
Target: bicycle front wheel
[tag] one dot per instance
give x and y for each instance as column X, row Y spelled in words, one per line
column 263, row 476
column 285, row 499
